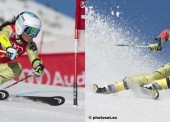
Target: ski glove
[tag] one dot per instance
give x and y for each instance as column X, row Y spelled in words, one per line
column 11, row 53
column 157, row 45
column 39, row 70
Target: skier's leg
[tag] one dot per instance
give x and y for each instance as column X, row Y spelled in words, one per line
column 159, row 84
column 9, row 71
column 111, row 88
column 144, row 79
column 130, row 82
column 138, row 80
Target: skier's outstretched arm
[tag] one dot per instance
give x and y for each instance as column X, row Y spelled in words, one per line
column 37, row 64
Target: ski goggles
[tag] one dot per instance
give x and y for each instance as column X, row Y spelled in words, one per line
column 28, row 30
column 31, row 31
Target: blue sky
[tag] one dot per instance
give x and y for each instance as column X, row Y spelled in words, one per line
column 65, row 6
column 150, row 16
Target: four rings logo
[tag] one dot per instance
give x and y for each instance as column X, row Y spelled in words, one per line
column 56, row 79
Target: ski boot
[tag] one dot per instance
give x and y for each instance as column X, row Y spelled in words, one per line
column 154, row 89
column 99, row 90
column 105, row 90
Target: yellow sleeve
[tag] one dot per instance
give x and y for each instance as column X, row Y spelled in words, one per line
column 32, row 52
column 169, row 35
column 4, row 37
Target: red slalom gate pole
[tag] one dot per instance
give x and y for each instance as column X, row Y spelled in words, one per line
column 79, row 25
column 75, row 68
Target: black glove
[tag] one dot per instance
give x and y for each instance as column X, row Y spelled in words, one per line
column 39, row 70
column 156, row 45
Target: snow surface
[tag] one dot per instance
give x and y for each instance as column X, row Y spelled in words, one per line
column 106, row 64
column 21, row 110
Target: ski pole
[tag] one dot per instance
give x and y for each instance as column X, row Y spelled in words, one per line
column 108, row 44
column 19, row 81
column 2, row 51
column 140, row 46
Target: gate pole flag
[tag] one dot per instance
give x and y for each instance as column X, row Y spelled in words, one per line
column 79, row 25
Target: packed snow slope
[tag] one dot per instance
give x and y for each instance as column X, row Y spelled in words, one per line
column 106, row 63
column 22, row 110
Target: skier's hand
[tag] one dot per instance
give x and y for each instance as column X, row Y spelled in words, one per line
column 11, row 53
column 39, row 70
column 157, row 45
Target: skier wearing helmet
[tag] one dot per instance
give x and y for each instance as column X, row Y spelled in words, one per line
column 16, row 38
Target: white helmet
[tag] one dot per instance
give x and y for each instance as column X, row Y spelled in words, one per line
column 27, row 23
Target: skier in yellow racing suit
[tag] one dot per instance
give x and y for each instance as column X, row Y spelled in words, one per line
column 157, row 80
column 16, row 38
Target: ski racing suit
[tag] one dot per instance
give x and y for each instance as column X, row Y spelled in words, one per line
column 159, row 76
column 8, row 68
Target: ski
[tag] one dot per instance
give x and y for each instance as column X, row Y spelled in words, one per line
column 150, row 92
column 145, row 92
column 96, row 89
column 3, row 94
column 51, row 100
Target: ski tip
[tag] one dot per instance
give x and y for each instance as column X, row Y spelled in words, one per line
column 3, row 94
column 155, row 94
column 58, row 100
column 53, row 100
column 95, row 88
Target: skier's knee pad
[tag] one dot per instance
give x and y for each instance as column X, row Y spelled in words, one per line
column 116, row 87
column 122, row 86
column 16, row 68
